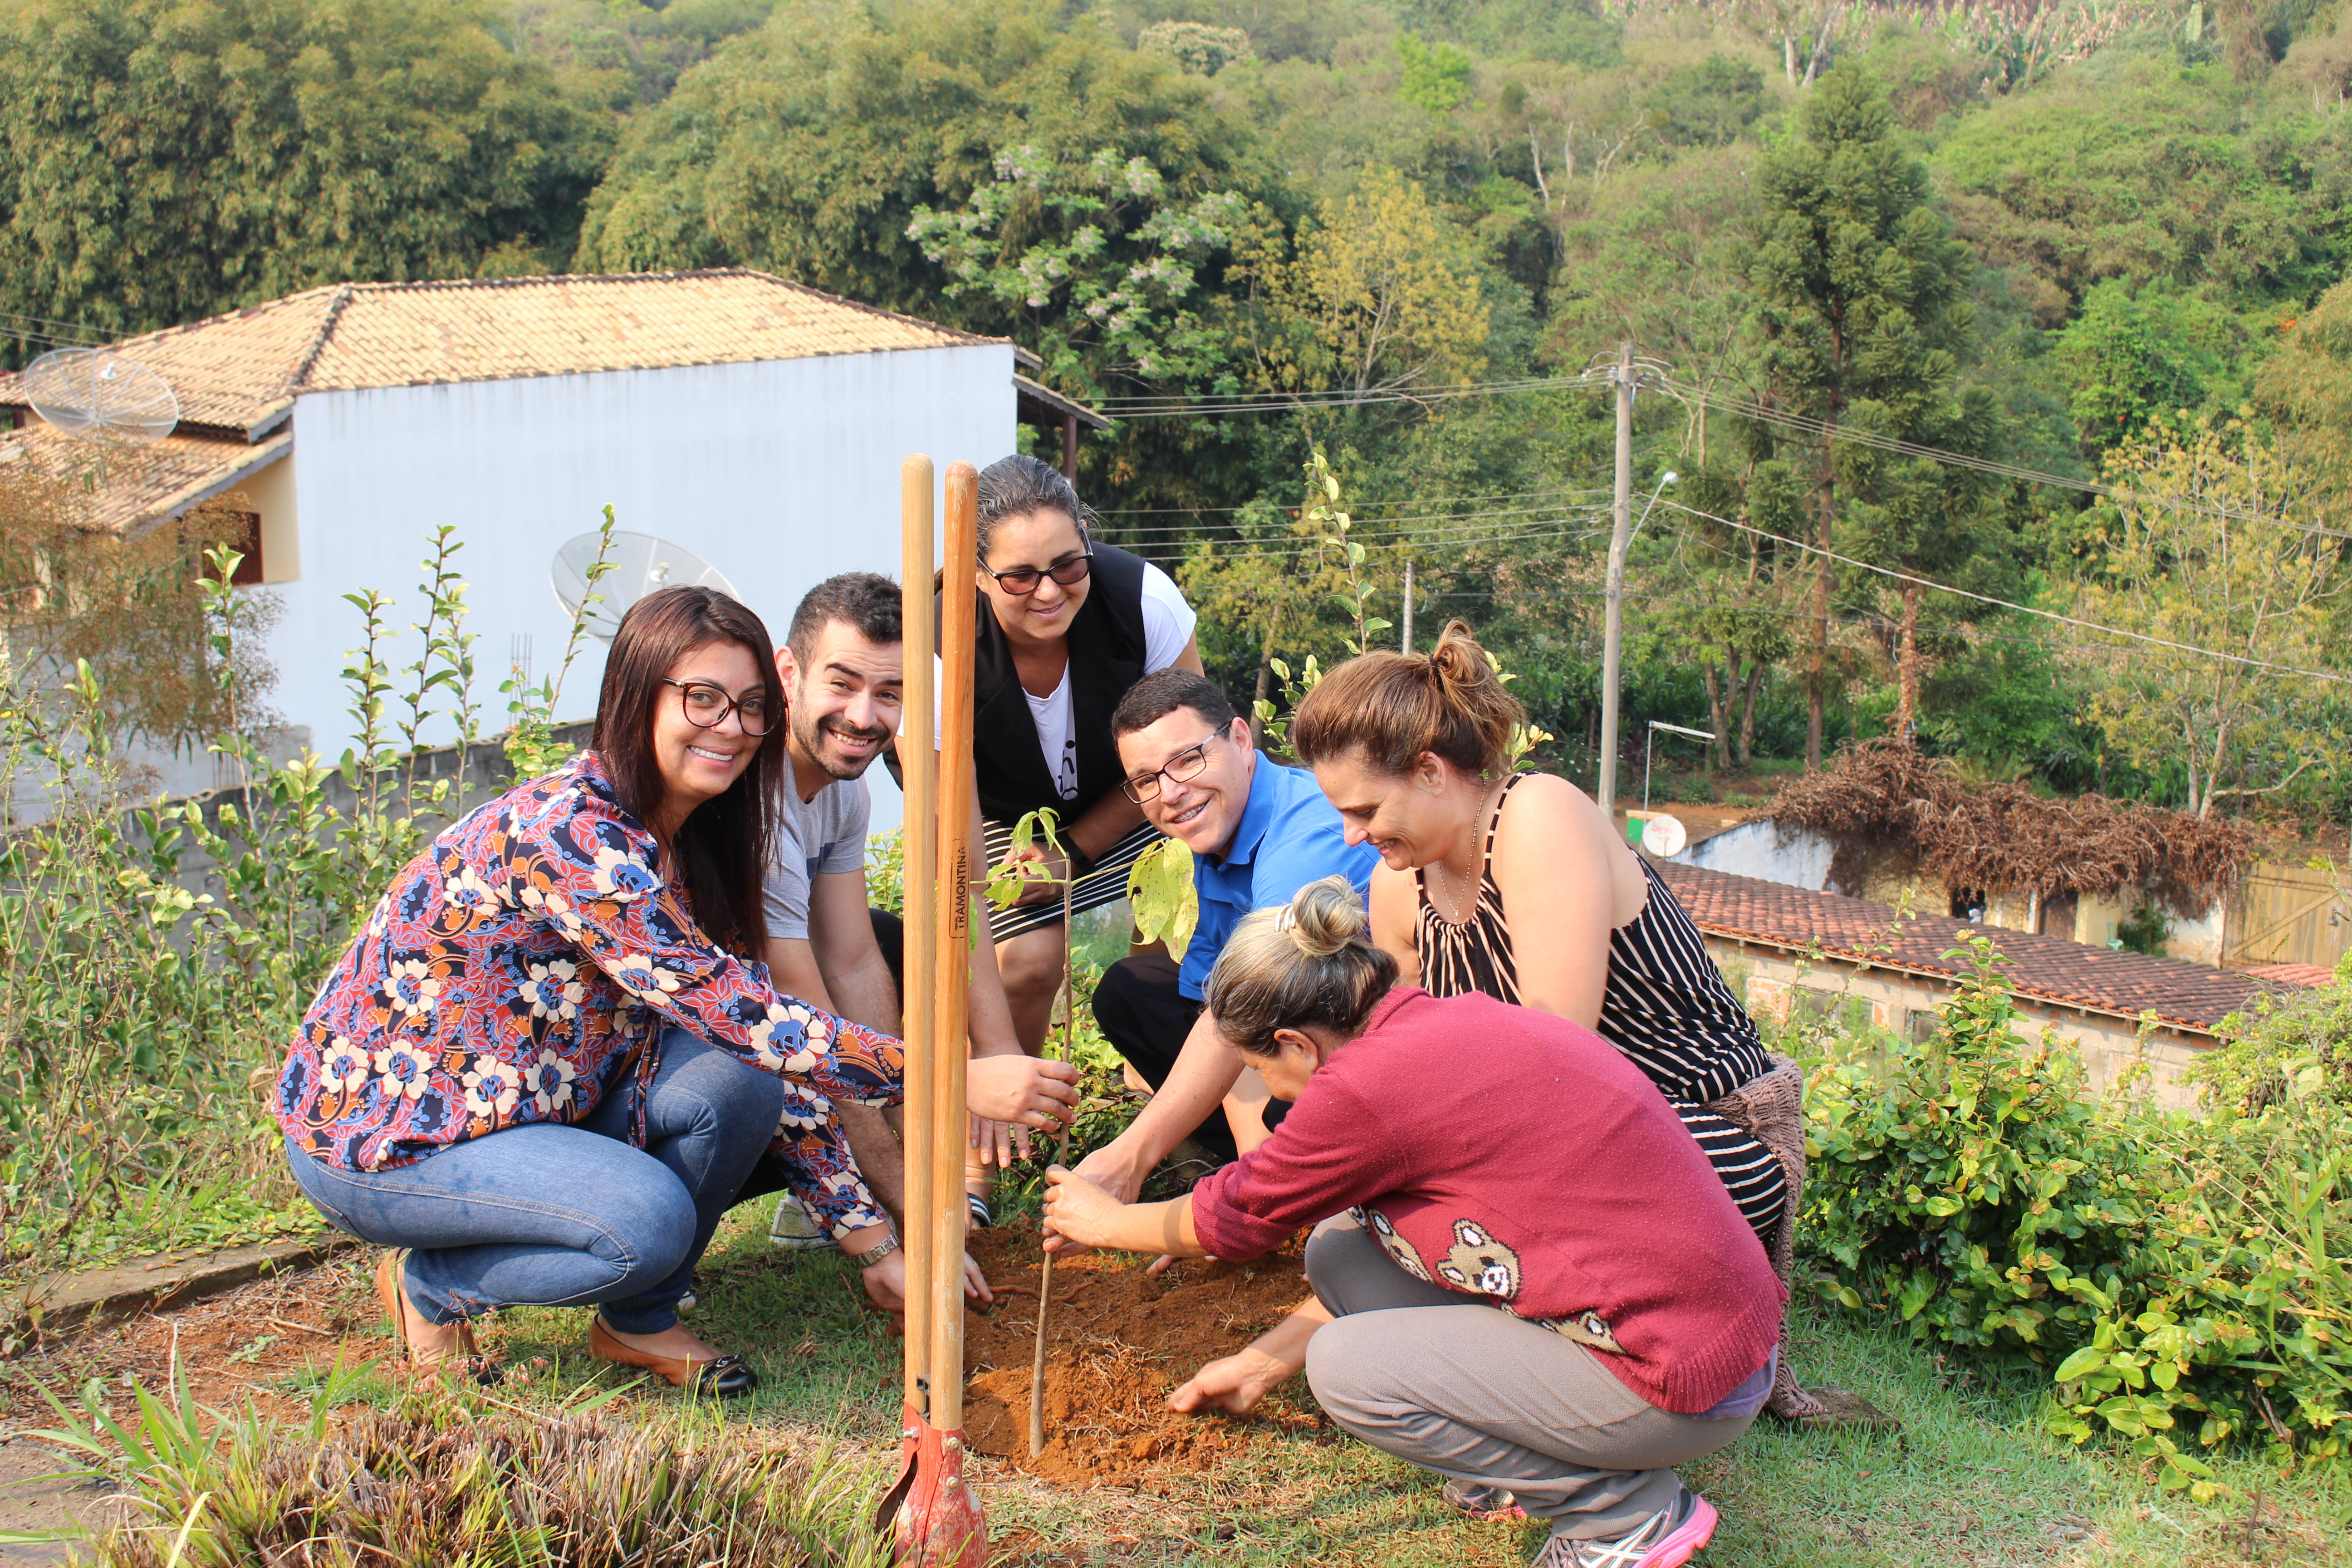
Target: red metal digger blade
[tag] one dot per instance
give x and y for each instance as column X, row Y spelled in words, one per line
column 931, row 1509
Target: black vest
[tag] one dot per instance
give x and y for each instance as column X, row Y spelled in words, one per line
column 1107, row 654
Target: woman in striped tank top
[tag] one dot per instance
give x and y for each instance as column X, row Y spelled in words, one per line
column 1515, row 885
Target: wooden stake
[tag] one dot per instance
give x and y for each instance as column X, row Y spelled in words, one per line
column 952, row 978
column 1061, row 1156
column 918, row 764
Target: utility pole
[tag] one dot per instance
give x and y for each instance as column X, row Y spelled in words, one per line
column 1405, row 641
column 1621, row 536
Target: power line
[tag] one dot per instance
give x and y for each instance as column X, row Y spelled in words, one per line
column 1824, row 430
column 1358, row 510
column 1178, row 406
column 1181, row 405
column 1560, row 536
column 1552, row 508
column 2007, row 605
column 37, row 329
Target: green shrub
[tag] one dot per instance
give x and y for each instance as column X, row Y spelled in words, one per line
column 886, row 871
column 156, row 956
column 2144, row 930
column 2169, row 1272
column 2276, row 1048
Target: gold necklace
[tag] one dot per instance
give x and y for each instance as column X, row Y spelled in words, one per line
column 1461, row 878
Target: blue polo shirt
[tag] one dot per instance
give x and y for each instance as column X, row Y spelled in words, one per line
column 1289, row 836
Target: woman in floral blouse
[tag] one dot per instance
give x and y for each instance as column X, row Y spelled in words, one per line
column 563, row 968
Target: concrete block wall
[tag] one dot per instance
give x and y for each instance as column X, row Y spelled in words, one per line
column 1773, row 984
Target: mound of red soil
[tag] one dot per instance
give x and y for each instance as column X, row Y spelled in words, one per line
column 1117, row 1343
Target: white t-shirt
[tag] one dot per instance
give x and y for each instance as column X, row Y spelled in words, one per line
column 1167, row 623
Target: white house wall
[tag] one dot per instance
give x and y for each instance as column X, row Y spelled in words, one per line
column 1799, row 858
column 779, row 474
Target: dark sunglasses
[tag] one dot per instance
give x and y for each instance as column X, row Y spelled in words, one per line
column 1023, row 579
column 707, row 706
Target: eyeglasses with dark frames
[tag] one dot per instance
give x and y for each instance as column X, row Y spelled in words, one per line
column 707, row 706
column 1023, row 579
column 1185, row 764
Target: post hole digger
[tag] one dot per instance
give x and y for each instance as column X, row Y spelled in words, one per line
column 931, row 1508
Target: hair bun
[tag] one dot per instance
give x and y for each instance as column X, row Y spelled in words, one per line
column 1458, row 659
column 1324, row 917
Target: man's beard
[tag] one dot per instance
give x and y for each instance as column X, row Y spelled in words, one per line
column 809, row 737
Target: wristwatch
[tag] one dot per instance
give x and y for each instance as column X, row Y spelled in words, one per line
column 876, row 1253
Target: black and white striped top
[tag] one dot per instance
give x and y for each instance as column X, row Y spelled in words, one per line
column 1665, row 1005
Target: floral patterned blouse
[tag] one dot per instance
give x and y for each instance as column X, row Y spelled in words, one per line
column 513, row 967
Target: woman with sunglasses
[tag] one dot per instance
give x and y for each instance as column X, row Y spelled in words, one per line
column 546, row 1063
column 1064, row 625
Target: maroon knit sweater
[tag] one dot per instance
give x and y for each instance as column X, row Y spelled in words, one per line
column 1518, row 1158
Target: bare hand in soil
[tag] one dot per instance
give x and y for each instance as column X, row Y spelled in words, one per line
column 1233, row 1385
column 1010, row 1087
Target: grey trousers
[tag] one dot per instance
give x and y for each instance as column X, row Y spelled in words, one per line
column 1477, row 1395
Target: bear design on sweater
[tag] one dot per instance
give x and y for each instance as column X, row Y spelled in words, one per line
column 1479, row 1264
column 1400, row 1251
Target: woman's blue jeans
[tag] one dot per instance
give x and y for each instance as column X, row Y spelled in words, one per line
column 560, row 1216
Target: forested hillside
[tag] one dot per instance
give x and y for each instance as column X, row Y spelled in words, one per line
column 2043, row 304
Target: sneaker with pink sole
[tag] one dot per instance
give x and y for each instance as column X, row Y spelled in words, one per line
column 1668, row 1539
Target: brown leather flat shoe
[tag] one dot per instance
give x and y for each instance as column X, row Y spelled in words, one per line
column 392, row 1289
column 724, row 1377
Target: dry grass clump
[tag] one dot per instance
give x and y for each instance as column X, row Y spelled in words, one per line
column 441, row 1477
column 1883, row 795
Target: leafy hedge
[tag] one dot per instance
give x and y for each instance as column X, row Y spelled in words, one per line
column 2179, row 1278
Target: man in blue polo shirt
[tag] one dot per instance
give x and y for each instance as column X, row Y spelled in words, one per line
column 1258, row 833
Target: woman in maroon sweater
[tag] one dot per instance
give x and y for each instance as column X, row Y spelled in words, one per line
column 1606, row 1313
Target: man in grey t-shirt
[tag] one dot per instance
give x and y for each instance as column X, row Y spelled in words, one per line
column 841, row 669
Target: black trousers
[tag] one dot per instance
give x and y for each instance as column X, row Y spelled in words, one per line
column 1142, row 1014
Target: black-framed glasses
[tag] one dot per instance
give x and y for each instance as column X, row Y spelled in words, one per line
column 1185, row 764
column 707, row 706
column 1023, row 579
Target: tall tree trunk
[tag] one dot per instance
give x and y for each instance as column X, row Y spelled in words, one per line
column 1817, row 663
column 1719, row 713
column 1748, row 714
column 1906, row 666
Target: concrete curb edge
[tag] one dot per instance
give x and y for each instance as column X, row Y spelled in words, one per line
column 104, row 1296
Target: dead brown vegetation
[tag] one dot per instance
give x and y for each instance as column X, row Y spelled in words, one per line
column 129, row 607
column 1885, row 797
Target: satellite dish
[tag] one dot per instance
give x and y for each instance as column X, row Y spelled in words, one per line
column 97, row 394
column 641, row 564
column 1663, row 836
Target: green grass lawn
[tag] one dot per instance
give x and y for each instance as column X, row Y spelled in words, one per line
column 1970, row 1480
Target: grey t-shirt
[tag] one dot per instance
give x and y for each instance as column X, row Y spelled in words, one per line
column 813, row 838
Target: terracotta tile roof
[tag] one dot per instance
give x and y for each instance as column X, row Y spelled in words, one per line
column 2310, row 976
column 146, row 482
column 241, row 371
column 2047, row 968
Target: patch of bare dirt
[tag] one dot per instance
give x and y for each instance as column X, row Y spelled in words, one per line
column 258, row 1340
column 1119, row 1342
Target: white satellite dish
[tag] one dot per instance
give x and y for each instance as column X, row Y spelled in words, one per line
column 641, row 564
column 1663, row 836
column 98, row 395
